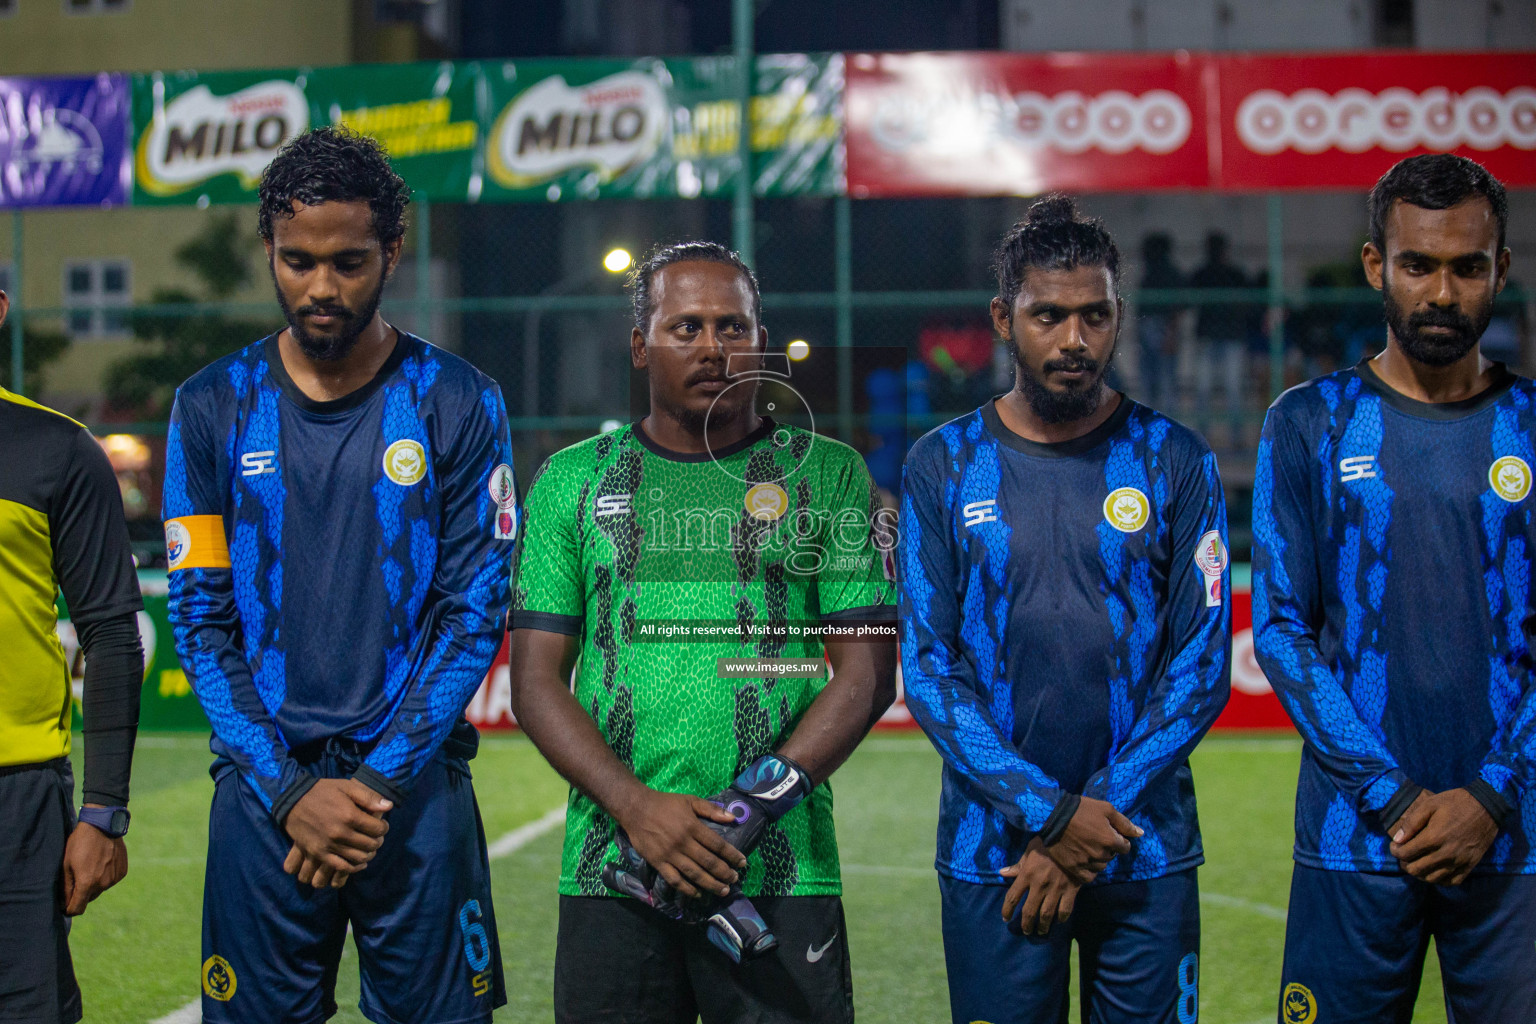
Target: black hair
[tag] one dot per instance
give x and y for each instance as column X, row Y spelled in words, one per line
column 644, row 274
column 1434, row 181
column 334, row 165
column 1053, row 236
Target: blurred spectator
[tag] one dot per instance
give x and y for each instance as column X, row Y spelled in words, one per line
column 1157, row 323
column 1333, row 332
column 1221, row 330
column 1504, row 339
column 959, row 356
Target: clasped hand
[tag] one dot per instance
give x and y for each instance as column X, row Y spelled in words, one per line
column 1442, row 836
column 337, row 828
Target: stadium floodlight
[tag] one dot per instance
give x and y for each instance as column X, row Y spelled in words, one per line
column 617, row 261
column 798, row 349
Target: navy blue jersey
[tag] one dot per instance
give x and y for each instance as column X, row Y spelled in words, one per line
column 1392, row 607
column 1065, row 631
column 339, row 569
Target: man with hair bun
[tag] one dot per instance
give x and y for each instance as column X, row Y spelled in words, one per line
column 1392, row 608
column 1065, row 642
column 340, row 511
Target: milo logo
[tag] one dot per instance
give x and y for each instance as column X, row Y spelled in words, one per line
column 610, row 125
column 199, row 135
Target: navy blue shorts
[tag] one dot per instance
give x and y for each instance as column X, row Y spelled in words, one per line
column 420, row 914
column 1355, row 945
column 1138, row 947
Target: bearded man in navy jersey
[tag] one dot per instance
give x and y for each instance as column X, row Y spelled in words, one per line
column 340, row 511
column 1065, row 627
column 1392, row 611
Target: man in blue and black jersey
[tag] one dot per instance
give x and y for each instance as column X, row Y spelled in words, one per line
column 1065, row 641
column 1392, row 612
column 340, row 510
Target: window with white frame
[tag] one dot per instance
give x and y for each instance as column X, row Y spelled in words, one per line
column 94, row 6
column 97, row 293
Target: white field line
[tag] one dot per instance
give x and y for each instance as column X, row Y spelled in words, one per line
column 525, row 834
column 1270, row 911
column 192, row 1013
column 507, row 845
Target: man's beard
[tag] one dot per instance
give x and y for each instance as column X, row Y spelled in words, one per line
column 1061, row 406
column 739, row 401
column 329, row 348
column 1430, row 349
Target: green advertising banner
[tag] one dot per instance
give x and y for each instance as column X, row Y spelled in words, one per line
column 168, row 701
column 659, row 128
column 540, row 130
column 207, row 137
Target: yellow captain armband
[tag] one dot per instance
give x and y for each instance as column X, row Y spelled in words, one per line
column 196, row 542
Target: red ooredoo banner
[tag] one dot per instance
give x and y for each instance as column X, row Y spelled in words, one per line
column 925, row 124
column 1339, row 121
column 1007, row 124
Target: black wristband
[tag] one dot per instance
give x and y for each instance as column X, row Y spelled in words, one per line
column 292, row 795
column 114, row 678
column 1492, row 800
column 380, row 785
column 1398, row 805
column 1061, row 816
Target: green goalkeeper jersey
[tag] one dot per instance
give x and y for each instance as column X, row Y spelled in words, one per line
column 666, row 563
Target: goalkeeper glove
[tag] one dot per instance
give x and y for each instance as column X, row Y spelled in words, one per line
column 765, row 791
column 732, row 924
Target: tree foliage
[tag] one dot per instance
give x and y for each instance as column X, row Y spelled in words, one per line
column 179, row 344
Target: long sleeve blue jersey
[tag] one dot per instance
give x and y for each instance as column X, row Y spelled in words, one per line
column 1065, row 631
column 1392, row 607
column 339, row 570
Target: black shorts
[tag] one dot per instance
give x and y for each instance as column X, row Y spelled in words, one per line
column 37, row 977
column 617, row 962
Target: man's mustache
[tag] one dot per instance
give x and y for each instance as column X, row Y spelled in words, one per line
column 1440, row 318
column 340, row 312
column 1071, row 364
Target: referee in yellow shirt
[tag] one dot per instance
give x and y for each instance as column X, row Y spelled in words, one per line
column 61, row 528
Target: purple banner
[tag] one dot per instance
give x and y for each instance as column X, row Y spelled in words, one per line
column 64, row 141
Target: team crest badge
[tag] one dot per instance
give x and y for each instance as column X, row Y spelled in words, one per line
column 1211, row 554
column 1297, row 1004
column 1510, row 478
column 1127, row 509
column 766, row 501
column 405, row 462
column 178, row 543
column 503, row 491
column 502, row 488
column 218, row 979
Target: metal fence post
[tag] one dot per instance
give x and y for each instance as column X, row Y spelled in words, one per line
column 742, row 226
column 1276, row 295
column 18, row 307
column 843, row 240
column 423, row 267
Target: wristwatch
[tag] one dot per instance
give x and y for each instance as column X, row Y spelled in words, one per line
column 111, row 820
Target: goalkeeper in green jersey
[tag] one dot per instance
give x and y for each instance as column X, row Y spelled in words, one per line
column 680, row 565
